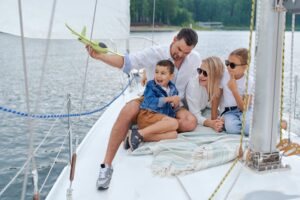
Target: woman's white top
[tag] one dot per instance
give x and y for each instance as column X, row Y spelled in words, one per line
column 197, row 99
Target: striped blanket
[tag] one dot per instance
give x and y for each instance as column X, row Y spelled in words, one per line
column 190, row 152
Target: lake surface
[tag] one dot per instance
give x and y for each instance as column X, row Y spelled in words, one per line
column 65, row 73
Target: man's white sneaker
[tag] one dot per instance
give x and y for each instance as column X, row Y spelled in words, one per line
column 104, row 178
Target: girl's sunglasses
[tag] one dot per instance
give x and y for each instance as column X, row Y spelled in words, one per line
column 232, row 65
column 201, row 71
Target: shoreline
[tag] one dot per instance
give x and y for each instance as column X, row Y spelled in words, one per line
column 136, row 29
column 156, row 28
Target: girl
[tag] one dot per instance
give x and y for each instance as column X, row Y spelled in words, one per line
column 234, row 92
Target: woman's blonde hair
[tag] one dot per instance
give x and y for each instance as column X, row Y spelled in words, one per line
column 215, row 69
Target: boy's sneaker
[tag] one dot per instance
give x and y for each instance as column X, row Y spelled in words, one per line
column 126, row 140
column 135, row 139
column 104, row 178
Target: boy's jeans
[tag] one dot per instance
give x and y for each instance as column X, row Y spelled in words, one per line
column 233, row 121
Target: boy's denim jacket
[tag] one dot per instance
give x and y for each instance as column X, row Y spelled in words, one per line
column 154, row 98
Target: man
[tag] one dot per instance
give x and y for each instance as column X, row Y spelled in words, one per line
column 185, row 60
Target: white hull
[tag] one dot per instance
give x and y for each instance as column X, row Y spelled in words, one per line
column 133, row 179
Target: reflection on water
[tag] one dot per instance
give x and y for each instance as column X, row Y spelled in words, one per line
column 64, row 74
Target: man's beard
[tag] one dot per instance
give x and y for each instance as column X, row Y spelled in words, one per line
column 176, row 57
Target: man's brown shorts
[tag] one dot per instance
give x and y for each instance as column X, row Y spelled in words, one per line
column 139, row 100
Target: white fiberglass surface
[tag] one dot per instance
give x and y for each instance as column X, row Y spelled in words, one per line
column 133, row 179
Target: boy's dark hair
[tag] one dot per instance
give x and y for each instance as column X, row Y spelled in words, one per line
column 167, row 63
column 189, row 35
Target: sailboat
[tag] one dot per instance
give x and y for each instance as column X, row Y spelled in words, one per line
column 267, row 175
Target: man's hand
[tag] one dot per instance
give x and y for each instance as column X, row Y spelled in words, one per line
column 144, row 78
column 92, row 52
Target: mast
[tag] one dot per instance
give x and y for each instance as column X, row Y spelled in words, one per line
column 269, row 49
column 265, row 123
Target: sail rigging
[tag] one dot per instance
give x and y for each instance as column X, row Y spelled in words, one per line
column 37, row 21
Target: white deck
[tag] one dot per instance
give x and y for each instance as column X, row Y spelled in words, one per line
column 133, row 179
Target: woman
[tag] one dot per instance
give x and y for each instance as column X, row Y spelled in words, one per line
column 202, row 89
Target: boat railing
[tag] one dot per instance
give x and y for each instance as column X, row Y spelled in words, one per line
column 57, row 118
column 33, row 154
column 62, row 145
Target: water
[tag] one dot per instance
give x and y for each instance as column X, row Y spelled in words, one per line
column 64, row 74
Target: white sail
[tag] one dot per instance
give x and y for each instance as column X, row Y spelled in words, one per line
column 111, row 21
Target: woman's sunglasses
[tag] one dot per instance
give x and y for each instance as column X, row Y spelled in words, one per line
column 201, row 71
column 232, row 65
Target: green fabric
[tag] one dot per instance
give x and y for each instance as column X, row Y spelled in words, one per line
column 191, row 151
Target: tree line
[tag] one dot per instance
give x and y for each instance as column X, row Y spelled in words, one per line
column 181, row 12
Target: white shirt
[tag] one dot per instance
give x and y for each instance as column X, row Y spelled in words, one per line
column 167, row 89
column 197, row 99
column 149, row 57
column 228, row 99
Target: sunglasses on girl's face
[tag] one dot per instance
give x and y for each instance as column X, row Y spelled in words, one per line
column 232, row 65
column 201, row 71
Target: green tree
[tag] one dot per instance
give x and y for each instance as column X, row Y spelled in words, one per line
column 182, row 17
column 139, row 11
column 178, row 12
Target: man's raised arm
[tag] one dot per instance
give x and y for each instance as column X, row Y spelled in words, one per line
column 110, row 59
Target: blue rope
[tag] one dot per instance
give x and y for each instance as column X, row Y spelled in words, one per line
column 53, row 116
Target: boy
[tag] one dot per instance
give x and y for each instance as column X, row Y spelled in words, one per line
column 156, row 119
